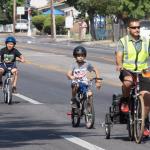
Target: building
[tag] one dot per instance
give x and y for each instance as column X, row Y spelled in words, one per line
column 38, row 3
column 60, row 5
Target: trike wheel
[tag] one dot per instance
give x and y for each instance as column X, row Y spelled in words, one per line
column 130, row 124
column 130, row 128
column 139, row 119
column 107, row 126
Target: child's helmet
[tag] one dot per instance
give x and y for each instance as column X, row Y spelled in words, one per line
column 79, row 50
column 10, row 39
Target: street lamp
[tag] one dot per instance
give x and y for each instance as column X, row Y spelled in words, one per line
column 53, row 24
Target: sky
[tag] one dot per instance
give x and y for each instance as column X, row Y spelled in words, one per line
column 38, row 3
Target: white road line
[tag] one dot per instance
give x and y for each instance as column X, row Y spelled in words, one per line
column 27, row 99
column 81, row 142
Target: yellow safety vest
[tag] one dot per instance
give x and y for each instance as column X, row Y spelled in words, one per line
column 133, row 60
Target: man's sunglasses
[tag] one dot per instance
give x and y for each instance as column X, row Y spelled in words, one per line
column 136, row 27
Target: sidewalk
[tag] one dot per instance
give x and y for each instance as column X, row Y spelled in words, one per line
column 62, row 38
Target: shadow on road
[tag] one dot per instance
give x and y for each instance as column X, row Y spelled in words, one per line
column 26, row 132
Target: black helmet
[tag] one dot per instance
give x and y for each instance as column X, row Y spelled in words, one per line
column 79, row 50
column 10, row 39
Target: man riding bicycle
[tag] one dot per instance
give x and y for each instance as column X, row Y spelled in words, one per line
column 132, row 55
column 8, row 56
column 78, row 73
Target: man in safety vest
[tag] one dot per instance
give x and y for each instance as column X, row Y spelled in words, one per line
column 132, row 54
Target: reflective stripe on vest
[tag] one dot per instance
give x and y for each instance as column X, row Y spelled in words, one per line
column 132, row 59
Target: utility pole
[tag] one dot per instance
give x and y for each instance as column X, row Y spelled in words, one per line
column 53, row 24
column 29, row 21
column 14, row 16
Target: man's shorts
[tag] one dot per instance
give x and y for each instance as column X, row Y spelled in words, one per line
column 7, row 65
column 144, row 82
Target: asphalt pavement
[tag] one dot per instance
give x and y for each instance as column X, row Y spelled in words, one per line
column 38, row 119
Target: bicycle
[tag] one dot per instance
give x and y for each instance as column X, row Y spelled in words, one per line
column 7, row 87
column 135, row 118
column 84, row 107
column 136, row 121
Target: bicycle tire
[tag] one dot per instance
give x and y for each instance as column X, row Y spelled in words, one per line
column 130, row 124
column 4, row 92
column 107, row 126
column 75, row 117
column 9, row 91
column 89, row 113
column 139, row 119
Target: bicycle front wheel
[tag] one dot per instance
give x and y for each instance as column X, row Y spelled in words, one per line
column 75, row 117
column 139, row 119
column 5, row 92
column 8, row 91
column 89, row 113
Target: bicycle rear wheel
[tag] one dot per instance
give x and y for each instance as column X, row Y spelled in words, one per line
column 89, row 113
column 139, row 119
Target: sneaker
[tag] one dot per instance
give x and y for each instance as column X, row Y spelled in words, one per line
column 14, row 90
column 124, row 107
column 146, row 132
column 73, row 103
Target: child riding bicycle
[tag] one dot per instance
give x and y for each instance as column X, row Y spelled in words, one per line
column 78, row 73
column 8, row 56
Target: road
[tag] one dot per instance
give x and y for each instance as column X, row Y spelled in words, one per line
column 38, row 119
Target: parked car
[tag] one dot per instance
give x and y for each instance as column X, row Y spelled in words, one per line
column 145, row 28
column 21, row 25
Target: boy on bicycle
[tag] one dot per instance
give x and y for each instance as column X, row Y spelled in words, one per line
column 8, row 56
column 78, row 73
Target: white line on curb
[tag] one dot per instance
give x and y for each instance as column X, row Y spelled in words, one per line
column 81, row 142
column 27, row 99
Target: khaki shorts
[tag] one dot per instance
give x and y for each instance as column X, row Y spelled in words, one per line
column 144, row 82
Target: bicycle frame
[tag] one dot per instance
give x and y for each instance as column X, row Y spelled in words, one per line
column 83, row 93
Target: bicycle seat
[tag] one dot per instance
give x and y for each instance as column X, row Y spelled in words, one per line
column 146, row 73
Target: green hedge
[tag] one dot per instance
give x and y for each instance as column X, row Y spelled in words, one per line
column 43, row 24
column 38, row 22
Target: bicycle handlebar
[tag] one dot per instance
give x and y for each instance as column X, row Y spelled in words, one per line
column 96, row 79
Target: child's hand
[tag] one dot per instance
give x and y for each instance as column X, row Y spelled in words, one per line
column 98, row 84
column 72, row 78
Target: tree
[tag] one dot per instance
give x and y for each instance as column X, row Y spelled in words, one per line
column 134, row 9
column 122, row 9
column 94, row 8
column 6, row 10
